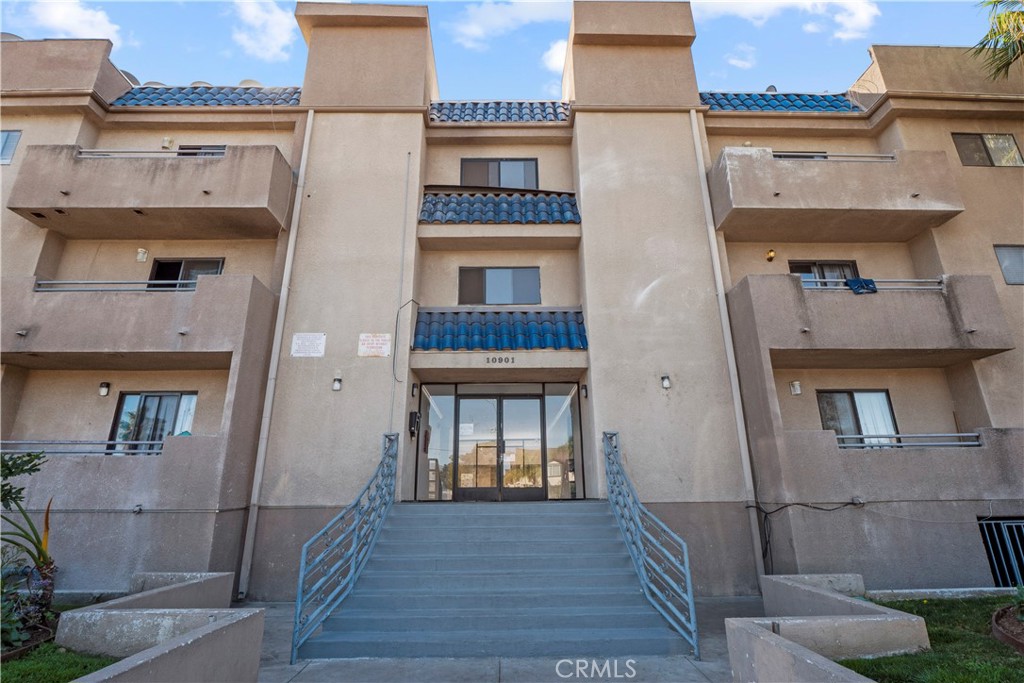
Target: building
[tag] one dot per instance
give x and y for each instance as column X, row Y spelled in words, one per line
column 216, row 300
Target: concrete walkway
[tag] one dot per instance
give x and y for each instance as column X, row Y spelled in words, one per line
column 714, row 665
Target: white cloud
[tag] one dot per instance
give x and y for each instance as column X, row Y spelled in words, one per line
column 481, row 22
column 72, row 19
column 742, row 56
column 266, row 31
column 553, row 89
column 554, row 58
column 853, row 18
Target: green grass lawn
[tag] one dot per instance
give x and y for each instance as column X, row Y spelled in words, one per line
column 963, row 649
column 48, row 664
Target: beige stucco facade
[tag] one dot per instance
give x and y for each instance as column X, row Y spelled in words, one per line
column 677, row 257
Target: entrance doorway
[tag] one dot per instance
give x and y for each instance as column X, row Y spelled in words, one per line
column 499, row 442
column 500, row 449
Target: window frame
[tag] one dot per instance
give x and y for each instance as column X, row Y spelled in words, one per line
column 114, row 439
column 988, row 151
column 179, row 286
column 893, row 443
column 209, row 151
column 498, row 160
column 996, row 248
column 485, row 302
column 819, row 274
column 6, row 135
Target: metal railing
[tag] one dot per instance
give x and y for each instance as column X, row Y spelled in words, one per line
column 83, row 447
column 660, row 556
column 908, row 440
column 115, row 285
column 333, row 558
column 1004, row 545
column 839, row 284
column 148, row 153
column 826, row 156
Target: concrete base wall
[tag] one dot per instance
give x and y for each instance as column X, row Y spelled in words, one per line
column 757, row 654
column 280, row 534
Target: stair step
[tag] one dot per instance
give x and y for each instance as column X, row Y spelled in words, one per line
column 523, row 562
column 552, row 548
column 513, row 620
column 506, row 579
column 511, row 534
column 437, row 599
column 489, row 643
column 567, row 520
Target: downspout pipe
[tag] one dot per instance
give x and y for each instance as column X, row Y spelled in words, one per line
column 730, row 352
column 249, row 541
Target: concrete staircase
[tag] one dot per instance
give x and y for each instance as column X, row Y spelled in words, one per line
column 497, row 580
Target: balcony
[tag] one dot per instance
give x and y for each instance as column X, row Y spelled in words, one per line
column 117, row 194
column 760, row 195
column 125, row 325
column 987, row 465
column 906, row 324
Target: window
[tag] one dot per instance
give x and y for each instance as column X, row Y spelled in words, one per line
column 820, row 156
column 858, row 413
column 519, row 174
column 811, row 272
column 1011, row 262
column 8, row 143
column 1004, row 544
column 150, row 417
column 987, row 149
column 201, row 150
column 182, row 273
column 495, row 286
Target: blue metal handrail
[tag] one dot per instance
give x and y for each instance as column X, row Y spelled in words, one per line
column 659, row 555
column 333, row 558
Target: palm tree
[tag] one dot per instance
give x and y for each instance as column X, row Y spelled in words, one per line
column 1003, row 45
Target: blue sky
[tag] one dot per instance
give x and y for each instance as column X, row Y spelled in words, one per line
column 502, row 50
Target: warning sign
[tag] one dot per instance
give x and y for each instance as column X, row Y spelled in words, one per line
column 309, row 344
column 374, row 345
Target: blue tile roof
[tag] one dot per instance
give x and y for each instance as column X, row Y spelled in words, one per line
column 209, row 96
column 499, row 330
column 773, row 101
column 499, row 207
column 499, row 112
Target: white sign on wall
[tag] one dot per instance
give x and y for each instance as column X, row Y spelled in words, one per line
column 374, row 345
column 309, row 344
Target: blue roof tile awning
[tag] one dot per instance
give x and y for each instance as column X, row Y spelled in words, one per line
column 209, row 96
column 781, row 102
column 499, row 112
column 488, row 330
column 499, row 207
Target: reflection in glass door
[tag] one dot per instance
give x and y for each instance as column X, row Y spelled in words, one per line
column 500, row 449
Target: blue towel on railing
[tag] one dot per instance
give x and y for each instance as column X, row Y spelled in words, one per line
column 862, row 285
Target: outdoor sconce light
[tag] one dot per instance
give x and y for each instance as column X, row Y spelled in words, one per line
column 415, row 388
column 769, row 255
column 104, row 388
column 141, row 255
column 795, row 389
column 666, row 382
column 414, row 424
column 336, row 384
column 583, row 390
column 167, row 143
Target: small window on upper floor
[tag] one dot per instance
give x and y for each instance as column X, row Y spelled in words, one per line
column 816, row 274
column 182, row 273
column 514, row 174
column 987, row 149
column 859, row 418
column 144, row 419
column 800, row 155
column 1011, row 262
column 497, row 286
column 8, row 143
column 201, row 150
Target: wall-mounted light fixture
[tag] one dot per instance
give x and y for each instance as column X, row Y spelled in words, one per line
column 769, row 255
column 104, row 388
column 666, row 382
column 167, row 143
column 583, row 390
column 795, row 389
column 141, row 255
column 336, row 384
column 415, row 388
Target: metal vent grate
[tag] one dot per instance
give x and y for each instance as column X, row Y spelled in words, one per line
column 1004, row 544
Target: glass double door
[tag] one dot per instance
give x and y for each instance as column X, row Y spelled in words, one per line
column 499, row 449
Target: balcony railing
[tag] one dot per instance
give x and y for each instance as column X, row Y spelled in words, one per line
column 83, row 447
column 150, row 153
column 967, row 439
column 839, row 285
column 115, row 285
column 826, row 156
